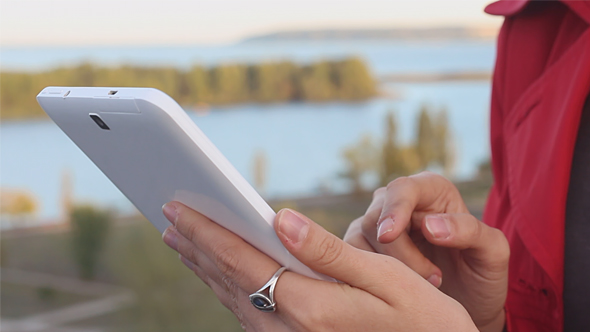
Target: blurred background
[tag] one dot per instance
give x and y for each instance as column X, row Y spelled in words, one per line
column 317, row 103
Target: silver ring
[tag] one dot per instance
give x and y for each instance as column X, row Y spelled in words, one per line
column 267, row 303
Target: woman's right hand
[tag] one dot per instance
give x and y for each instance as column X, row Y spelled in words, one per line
column 422, row 221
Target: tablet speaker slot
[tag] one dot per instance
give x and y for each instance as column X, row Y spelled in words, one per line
column 99, row 121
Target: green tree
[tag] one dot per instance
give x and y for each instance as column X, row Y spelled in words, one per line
column 85, row 75
column 229, row 84
column 391, row 159
column 353, row 80
column 347, row 79
column 361, row 159
column 398, row 160
column 390, row 154
column 443, row 145
column 271, row 82
column 425, row 140
column 199, row 85
column 315, row 82
column 89, row 231
column 409, row 161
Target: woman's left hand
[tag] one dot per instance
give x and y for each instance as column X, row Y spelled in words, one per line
column 377, row 293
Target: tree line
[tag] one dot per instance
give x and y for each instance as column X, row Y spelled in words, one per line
column 347, row 79
column 385, row 160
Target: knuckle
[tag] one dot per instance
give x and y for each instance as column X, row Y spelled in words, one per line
column 402, row 181
column 431, row 176
column 379, row 192
column 226, row 260
column 428, row 174
column 329, row 250
column 192, row 255
column 407, row 183
column 189, row 227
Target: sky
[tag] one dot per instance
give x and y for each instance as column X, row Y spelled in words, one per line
column 189, row 22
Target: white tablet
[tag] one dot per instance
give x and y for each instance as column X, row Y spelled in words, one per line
column 145, row 143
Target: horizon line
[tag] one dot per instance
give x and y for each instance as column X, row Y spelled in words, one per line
column 490, row 31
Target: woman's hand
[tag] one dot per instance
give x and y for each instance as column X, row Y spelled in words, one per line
column 377, row 293
column 422, row 221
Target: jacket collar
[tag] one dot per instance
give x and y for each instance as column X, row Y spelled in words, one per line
column 512, row 7
column 506, row 7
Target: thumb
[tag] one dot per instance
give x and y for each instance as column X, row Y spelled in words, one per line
column 325, row 253
column 463, row 231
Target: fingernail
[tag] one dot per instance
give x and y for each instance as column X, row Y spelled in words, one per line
column 170, row 238
column 437, row 226
column 186, row 262
column 170, row 212
column 385, row 226
column 293, row 227
column 435, row 280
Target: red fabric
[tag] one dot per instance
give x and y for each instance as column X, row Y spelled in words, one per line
column 540, row 83
column 506, row 8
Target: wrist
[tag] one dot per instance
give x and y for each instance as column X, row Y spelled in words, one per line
column 496, row 325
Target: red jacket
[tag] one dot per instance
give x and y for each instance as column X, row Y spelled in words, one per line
column 540, row 84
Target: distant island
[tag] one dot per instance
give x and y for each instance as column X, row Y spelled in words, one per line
column 198, row 87
column 440, row 33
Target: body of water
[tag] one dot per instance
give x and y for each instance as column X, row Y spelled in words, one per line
column 384, row 57
column 302, row 142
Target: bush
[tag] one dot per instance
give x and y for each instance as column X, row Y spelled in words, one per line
column 89, row 231
column 46, row 294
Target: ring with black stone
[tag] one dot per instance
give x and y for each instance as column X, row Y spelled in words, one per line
column 267, row 303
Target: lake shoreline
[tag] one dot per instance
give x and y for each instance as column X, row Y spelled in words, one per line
column 303, row 142
column 399, row 78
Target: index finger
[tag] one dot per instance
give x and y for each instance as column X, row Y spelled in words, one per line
column 425, row 191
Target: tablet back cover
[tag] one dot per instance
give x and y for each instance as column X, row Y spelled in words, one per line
column 154, row 153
